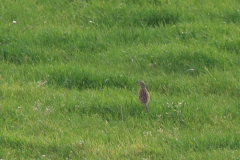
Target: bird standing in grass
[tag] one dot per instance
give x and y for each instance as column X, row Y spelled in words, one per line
column 143, row 95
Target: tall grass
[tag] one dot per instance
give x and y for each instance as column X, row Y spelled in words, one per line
column 68, row 73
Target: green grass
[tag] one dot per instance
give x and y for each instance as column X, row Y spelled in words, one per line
column 68, row 73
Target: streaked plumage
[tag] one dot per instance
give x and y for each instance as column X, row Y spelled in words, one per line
column 143, row 95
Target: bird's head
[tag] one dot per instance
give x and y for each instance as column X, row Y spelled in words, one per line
column 142, row 84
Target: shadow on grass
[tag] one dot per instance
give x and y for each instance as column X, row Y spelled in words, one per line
column 74, row 78
column 137, row 16
column 115, row 112
column 193, row 62
column 32, row 149
column 155, row 18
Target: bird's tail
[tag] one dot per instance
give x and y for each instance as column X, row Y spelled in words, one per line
column 146, row 107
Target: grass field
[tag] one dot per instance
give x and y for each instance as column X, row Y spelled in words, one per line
column 68, row 73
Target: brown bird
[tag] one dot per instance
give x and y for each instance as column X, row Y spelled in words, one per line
column 143, row 94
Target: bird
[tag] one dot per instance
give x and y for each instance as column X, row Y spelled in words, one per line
column 143, row 94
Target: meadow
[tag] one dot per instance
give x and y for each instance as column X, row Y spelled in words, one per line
column 69, row 71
